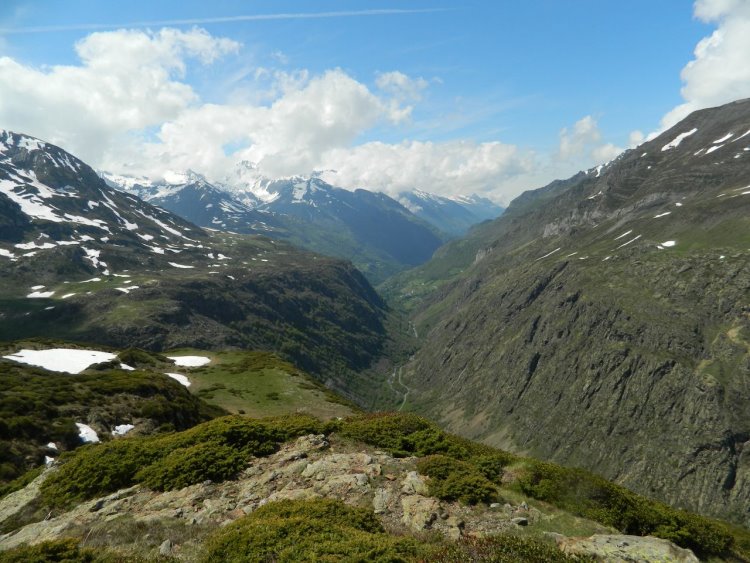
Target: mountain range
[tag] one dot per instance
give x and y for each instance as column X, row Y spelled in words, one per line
column 85, row 262
column 378, row 234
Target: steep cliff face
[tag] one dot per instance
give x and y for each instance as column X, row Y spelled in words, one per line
column 604, row 321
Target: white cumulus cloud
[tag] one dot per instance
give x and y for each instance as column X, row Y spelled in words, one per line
column 581, row 143
column 443, row 168
column 719, row 72
column 128, row 107
column 127, row 81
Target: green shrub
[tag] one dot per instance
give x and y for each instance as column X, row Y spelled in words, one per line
column 60, row 551
column 194, row 464
column 215, row 450
column 36, row 408
column 404, row 435
column 309, row 530
column 504, row 549
column 452, row 479
column 135, row 357
column 588, row 495
column 97, row 470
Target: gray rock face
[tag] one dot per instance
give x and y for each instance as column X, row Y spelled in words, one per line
column 307, row 468
column 14, row 503
column 582, row 339
column 627, row 549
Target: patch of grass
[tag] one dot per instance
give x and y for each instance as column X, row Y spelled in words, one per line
column 262, row 384
column 20, row 482
column 310, row 530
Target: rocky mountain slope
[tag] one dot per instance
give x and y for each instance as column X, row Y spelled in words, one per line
column 82, row 261
column 603, row 321
column 375, row 488
column 372, row 230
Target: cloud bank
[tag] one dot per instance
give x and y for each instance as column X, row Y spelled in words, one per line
column 128, row 107
column 719, row 73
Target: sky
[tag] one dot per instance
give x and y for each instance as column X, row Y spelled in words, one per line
column 481, row 96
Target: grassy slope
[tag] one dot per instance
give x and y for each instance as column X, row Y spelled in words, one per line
column 260, row 384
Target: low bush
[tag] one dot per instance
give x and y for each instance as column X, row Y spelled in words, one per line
column 137, row 358
column 37, row 408
column 97, row 470
column 215, row 450
column 588, row 495
column 310, row 530
column 193, row 464
column 61, row 551
column 405, row 435
column 504, row 549
column 452, row 479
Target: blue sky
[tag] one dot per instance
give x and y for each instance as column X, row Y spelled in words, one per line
column 517, row 74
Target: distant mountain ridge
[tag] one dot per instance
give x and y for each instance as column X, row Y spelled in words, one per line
column 380, row 235
column 453, row 215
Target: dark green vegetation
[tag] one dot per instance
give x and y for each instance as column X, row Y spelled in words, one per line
column 314, row 530
column 261, row 384
column 215, row 450
column 62, row 551
column 452, row 479
column 318, row 312
column 503, row 549
column 561, row 330
column 328, row 530
column 38, row 407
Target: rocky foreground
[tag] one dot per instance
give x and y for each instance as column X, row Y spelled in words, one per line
column 139, row 521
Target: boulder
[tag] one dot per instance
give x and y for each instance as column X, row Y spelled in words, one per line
column 627, row 549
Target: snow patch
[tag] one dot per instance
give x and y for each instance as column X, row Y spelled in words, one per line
column 627, row 243
column 626, row 233
column 540, row 258
column 40, row 294
column 190, row 361
column 677, row 140
column 724, row 139
column 122, row 429
column 63, row 360
column 127, row 289
column 181, row 379
column 662, row 214
column 86, row 433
